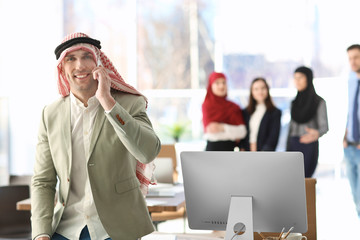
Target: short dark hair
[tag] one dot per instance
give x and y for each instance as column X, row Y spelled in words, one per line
column 354, row 46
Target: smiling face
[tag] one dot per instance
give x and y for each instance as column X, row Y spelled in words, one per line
column 78, row 66
column 219, row 87
column 259, row 91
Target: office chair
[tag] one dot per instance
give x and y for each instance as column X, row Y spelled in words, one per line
column 14, row 224
column 169, row 151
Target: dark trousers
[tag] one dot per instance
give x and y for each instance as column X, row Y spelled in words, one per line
column 310, row 151
column 220, row 146
column 83, row 236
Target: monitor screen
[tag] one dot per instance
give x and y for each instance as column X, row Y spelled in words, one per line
column 274, row 180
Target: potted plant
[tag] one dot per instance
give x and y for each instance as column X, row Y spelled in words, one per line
column 177, row 130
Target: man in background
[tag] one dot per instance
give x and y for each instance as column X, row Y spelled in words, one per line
column 352, row 134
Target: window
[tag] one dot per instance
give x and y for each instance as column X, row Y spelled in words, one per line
column 167, row 49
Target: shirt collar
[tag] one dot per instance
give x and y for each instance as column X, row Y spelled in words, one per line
column 353, row 77
column 260, row 106
column 93, row 102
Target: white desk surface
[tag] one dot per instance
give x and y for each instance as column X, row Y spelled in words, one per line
column 180, row 236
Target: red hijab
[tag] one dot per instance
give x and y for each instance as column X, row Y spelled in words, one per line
column 219, row 109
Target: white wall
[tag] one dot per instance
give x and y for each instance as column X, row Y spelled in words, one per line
column 30, row 31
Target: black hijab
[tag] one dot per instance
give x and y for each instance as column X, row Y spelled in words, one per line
column 306, row 102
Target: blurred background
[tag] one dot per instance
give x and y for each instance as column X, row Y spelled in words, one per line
column 166, row 49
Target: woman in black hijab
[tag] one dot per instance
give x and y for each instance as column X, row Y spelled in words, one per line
column 308, row 120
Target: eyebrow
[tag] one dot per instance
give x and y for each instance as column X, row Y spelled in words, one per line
column 87, row 53
column 69, row 55
column 84, row 54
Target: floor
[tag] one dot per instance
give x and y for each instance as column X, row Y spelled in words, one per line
column 336, row 215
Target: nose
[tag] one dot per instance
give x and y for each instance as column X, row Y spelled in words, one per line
column 80, row 64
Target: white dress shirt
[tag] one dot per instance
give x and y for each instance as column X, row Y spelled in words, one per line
column 255, row 120
column 80, row 209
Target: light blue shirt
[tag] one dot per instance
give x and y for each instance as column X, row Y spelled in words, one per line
column 353, row 81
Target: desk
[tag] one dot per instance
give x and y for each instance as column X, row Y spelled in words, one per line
column 164, row 204
column 172, row 204
column 185, row 236
column 24, row 205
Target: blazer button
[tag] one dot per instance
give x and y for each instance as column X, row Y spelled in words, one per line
column 64, row 204
column 120, row 119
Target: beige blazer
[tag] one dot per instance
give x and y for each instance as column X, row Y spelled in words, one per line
column 119, row 138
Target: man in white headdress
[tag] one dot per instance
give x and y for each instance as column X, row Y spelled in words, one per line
column 97, row 143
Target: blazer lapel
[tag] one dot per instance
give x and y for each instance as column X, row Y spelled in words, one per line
column 66, row 128
column 99, row 121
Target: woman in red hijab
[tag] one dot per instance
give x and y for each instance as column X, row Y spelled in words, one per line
column 223, row 121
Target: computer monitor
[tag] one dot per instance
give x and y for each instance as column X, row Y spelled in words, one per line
column 273, row 180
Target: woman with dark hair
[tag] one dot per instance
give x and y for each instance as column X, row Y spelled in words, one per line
column 222, row 119
column 262, row 119
column 308, row 120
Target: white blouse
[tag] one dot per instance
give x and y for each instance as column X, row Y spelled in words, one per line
column 231, row 132
column 255, row 120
